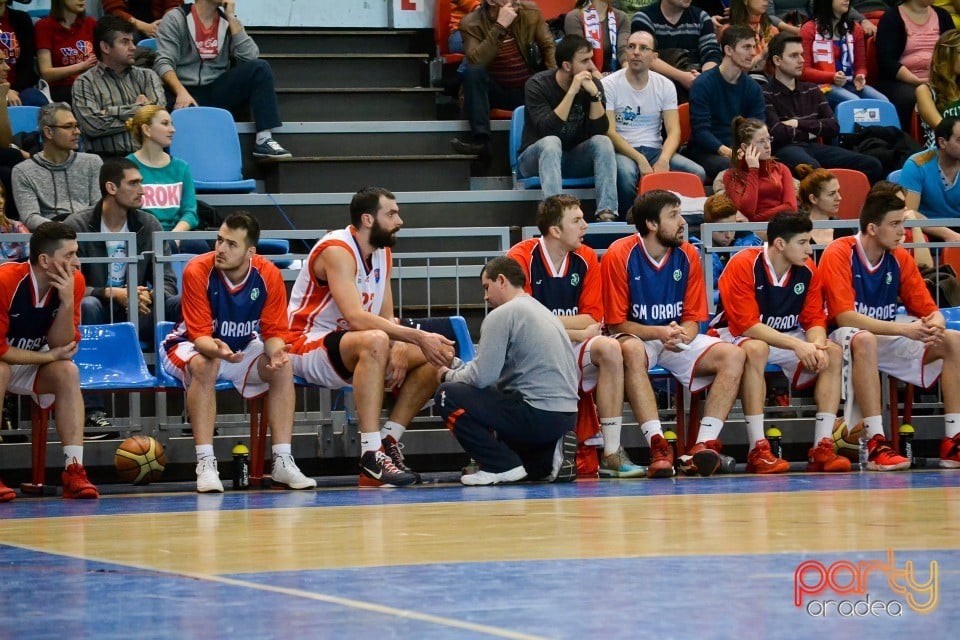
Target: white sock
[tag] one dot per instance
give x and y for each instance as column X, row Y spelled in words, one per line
column 709, row 429
column 651, row 428
column 393, row 429
column 611, row 427
column 281, row 450
column 263, row 136
column 873, row 425
column 951, row 424
column 72, row 453
column 370, row 441
column 204, row 451
column 754, row 430
column 823, row 427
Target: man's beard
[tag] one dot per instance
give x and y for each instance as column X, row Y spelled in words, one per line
column 668, row 242
column 380, row 237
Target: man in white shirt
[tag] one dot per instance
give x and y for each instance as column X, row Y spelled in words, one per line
column 640, row 103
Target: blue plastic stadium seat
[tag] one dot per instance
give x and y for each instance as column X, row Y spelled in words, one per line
column 533, row 182
column 866, row 112
column 148, row 43
column 23, row 119
column 275, row 247
column 207, row 140
column 109, row 358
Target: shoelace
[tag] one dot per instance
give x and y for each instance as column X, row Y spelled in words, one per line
column 386, row 462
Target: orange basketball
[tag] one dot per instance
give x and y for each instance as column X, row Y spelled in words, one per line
column 846, row 441
column 140, row 460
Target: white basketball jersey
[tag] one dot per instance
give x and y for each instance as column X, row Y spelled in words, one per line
column 312, row 308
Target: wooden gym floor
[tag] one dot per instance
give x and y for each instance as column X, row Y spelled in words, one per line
column 690, row 557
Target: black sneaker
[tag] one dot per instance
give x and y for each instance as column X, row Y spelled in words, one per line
column 378, row 470
column 270, row 149
column 565, row 459
column 394, row 449
column 94, row 428
column 468, row 148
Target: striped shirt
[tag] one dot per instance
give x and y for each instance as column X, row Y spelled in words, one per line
column 692, row 32
column 103, row 100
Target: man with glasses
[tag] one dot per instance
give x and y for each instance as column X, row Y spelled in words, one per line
column 58, row 181
column 641, row 103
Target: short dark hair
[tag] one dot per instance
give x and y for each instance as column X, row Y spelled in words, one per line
column 788, row 224
column 112, row 171
column 779, row 42
column 734, row 34
column 648, row 205
column 550, row 211
column 570, row 46
column 107, row 29
column 244, row 220
column 877, row 206
column 47, row 238
column 508, row 268
column 367, row 200
column 944, row 128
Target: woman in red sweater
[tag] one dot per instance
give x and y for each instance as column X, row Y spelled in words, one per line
column 834, row 53
column 758, row 184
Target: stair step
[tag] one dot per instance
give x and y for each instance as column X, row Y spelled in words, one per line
column 373, row 41
column 358, row 103
column 292, row 70
column 333, row 173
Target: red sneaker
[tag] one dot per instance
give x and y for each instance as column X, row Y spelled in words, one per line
column 728, row 464
column 882, row 457
column 6, row 493
column 949, row 452
column 701, row 460
column 823, row 458
column 76, row 485
column 761, row 459
column 661, row 458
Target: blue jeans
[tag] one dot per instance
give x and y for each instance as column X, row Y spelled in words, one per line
column 592, row 157
column 628, row 173
column 829, row 157
column 249, row 84
column 836, row 95
column 480, row 94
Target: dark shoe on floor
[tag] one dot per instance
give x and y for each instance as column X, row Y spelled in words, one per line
column 468, row 148
column 95, row 425
column 607, row 216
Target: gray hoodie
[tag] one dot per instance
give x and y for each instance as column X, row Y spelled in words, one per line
column 44, row 191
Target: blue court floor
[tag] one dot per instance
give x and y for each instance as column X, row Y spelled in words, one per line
column 867, row 555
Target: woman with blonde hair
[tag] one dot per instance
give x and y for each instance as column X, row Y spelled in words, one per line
column 940, row 96
column 168, row 191
column 758, row 184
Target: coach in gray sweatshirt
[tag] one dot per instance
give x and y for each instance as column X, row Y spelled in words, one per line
column 58, row 181
column 511, row 407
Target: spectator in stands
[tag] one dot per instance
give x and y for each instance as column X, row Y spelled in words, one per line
column 11, row 251
column 819, row 197
column 640, row 104
column 234, row 328
column 753, row 14
column 551, row 264
column 39, row 314
column 458, row 9
column 504, row 42
column 940, row 96
column 605, row 27
column 653, row 288
column 58, row 180
column 106, row 296
column 931, row 178
column 861, row 301
column 168, row 191
column 143, row 15
column 65, row 46
column 905, row 40
column 20, row 51
column 206, row 58
column 771, row 306
column 950, row 6
column 834, row 53
column 10, row 155
column 342, row 332
column 686, row 41
column 720, row 208
column 790, row 15
column 758, row 184
column 565, row 127
column 105, row 97
column 801, row 121
column 719, row 95
column 513, row 410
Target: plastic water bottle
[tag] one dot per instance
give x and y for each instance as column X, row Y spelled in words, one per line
column 775, row 438
column 906, row 443
column 864, row 452
column 671, row 439
column 241, row 466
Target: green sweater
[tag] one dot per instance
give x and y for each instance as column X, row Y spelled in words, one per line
column 168, row 193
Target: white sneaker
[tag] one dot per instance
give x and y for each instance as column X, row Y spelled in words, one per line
column 285, row 471
column 208, row 476
column 481, row 478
